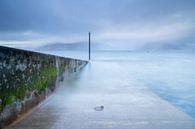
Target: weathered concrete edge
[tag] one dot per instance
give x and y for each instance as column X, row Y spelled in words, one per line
column 18, row 108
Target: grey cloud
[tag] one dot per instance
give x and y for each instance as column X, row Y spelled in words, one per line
column 59, row 18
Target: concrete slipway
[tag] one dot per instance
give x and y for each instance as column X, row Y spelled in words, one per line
column 128, row 104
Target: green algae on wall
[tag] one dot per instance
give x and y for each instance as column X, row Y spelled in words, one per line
column 23, row 72
column 26, row 76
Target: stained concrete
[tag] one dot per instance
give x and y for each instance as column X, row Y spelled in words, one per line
column 27, row 77
column 127, row 104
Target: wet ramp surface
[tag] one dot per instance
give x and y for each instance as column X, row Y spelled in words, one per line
column 127, row 104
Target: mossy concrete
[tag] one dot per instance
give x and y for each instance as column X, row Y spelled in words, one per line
column 28, row 77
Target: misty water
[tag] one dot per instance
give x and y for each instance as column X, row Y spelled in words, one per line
column 170, row 75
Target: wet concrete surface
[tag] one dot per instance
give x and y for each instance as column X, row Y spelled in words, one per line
column 127, row 104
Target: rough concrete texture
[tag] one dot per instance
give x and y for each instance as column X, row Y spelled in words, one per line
column 127, row 104
column 26, row 78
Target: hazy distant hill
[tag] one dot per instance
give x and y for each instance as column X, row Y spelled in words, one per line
column 73, row 46
column 169, row 46
column 82, row 46
column 64, row 46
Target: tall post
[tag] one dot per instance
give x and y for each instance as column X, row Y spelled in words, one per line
column 89, row 46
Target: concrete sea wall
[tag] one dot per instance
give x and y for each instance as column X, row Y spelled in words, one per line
column 26, row 78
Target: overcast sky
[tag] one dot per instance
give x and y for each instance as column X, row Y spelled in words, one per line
column 30, row 23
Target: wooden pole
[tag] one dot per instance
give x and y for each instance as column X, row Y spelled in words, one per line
column 89, row 46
